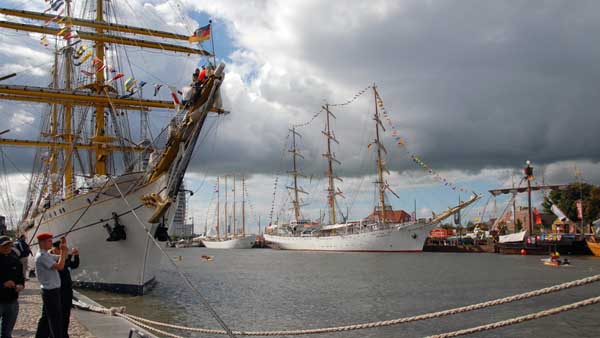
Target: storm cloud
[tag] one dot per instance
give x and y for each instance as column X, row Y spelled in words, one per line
column 474, row 87
column 470, row 84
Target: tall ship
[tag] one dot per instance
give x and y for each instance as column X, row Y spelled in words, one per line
column 372, row 234
column 109, row 190
column 229, row 235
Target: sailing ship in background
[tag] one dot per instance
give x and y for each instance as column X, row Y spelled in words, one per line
column 530, row 240
column 111, row 196
column 372, row 234
column 232, row 237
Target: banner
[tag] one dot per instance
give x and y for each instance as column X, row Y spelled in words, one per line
column 200, row 34
column 561, row 215
column 579, row 209
column 538, row 217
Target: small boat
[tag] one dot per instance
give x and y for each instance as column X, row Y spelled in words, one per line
column 554, row 260
column 594, row 245
column 513, row 238
column 550, row 262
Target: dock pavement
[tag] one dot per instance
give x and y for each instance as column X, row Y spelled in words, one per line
column 84, row 324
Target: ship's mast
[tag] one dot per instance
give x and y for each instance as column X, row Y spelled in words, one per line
column 295, row 173
column 60, row 140
column 243, row 207
column 234, row 200
column 100, row 129
column 380, row 165
column 226, row 215
column 218, row 210
column 331, row 192
column 54, row 153
column 68, row 118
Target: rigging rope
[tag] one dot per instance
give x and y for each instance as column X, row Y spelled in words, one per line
column 314, row 116
column 551, row 289
column 356, row 96
column 401, row 143
column 76, row 221
column 226, row 329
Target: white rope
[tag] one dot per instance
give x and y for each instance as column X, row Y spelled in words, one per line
column 136, row 320
column 186, row 280
column 519, row 320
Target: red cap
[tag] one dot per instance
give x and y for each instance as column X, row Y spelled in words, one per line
column 44, row 235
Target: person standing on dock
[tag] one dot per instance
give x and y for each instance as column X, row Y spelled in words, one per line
column 25, row 252
column 66, row 284
column 47, row 267
column 12, row 282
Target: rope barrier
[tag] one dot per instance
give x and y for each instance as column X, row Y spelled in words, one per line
column 559, row 287
column 521, row 319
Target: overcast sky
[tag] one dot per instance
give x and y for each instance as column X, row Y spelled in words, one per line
column 475, row 88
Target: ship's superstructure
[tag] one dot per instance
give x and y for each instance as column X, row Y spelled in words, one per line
column 112, row 196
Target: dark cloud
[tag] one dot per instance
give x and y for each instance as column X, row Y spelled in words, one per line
column 471, row 84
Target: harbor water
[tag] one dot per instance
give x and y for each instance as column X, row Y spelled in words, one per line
column 274, row 290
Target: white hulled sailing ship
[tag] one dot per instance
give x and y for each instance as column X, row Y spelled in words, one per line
column 230, row 239
column 111, row 196
column 371, row 234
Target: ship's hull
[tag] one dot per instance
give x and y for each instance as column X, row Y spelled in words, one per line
column 409, row 238
column 233, row 243
column 594, row 247
column 120, row 266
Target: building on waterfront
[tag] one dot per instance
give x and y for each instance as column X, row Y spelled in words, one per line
column 391, row 216
column 521, row 220
column 180, row 228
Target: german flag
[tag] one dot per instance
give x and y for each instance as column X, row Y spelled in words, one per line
column 200, row 34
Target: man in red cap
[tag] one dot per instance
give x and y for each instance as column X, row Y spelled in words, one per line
column 46, row 268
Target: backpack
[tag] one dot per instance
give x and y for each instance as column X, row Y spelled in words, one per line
column 23, row 249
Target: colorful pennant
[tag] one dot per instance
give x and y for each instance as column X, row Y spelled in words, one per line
column 157, row 87
column 174, row 95
column 401, row 142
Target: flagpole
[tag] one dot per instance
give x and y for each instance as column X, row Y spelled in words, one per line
column 212, row 42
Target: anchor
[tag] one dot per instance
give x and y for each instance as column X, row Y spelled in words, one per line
column 117, row 232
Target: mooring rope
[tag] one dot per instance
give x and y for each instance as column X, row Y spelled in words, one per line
column 521, row 319
column 487, row 327
column 559, row 287
column 226, row 329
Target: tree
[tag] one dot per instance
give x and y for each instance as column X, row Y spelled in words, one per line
column 566, row 200
column 591, row 205
column 518, row 225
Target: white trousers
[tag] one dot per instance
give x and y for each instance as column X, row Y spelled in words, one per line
column 25, row 263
